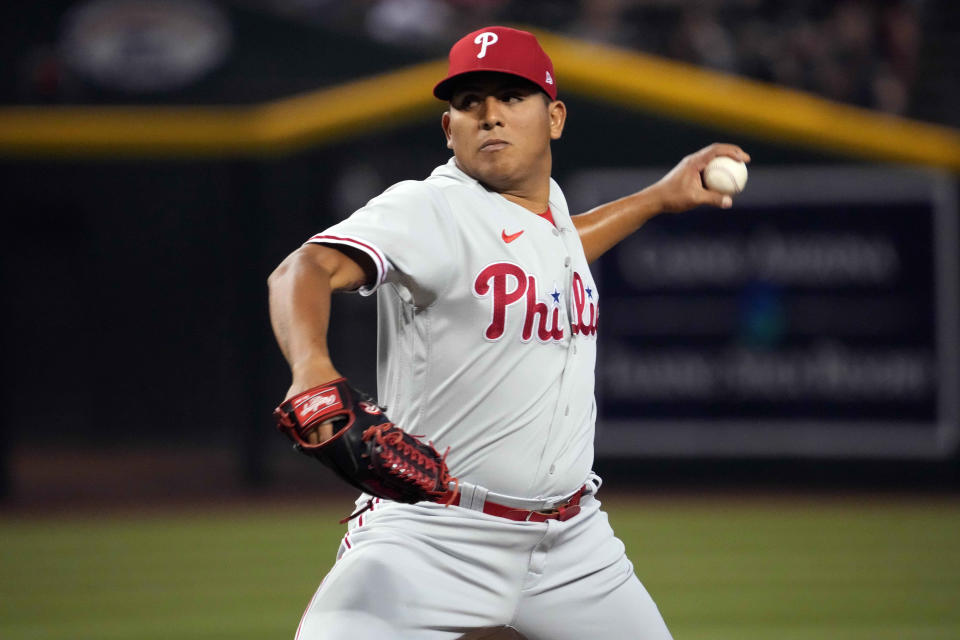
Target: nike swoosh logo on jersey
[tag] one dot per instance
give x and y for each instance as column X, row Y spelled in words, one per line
column 510, row 238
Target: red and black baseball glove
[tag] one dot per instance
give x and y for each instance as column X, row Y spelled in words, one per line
column 366, row 449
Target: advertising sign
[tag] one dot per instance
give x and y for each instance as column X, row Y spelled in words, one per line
column 818, row 317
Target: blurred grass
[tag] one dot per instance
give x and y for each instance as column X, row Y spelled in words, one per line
column 719, row 568
column 847, row 569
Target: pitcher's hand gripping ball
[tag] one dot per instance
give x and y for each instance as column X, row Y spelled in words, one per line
column 366, row 449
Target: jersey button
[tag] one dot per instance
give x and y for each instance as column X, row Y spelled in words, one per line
column 566, row 261
column 566, row 411
column 553, row 469
column 556, row 231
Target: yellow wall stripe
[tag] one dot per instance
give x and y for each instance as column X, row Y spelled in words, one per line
column 372, row 103
column 731, row 102
column 626, row 78
column 380, row 102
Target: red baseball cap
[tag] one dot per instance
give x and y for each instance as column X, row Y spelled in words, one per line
column 503, row 50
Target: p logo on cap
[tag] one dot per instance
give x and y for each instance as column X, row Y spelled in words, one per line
column 485, row 39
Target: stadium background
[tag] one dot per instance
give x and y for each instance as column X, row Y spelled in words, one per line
column 159, row 158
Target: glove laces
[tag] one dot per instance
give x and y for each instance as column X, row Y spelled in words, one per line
column 425, row 471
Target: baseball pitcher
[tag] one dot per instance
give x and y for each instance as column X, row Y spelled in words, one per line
column 478, row 506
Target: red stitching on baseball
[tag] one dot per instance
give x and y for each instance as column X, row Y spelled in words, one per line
column 733, row 180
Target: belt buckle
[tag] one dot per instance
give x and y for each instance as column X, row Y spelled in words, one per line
column 561, row 512
column 565, row 511
column 548, row 514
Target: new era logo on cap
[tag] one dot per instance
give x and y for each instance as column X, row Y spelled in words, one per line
column 501, row 50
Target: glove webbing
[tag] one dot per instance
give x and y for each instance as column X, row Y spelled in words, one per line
column 398, row 455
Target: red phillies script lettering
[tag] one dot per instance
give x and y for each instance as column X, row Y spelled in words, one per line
column 584, row 300
column 499, row 274
column 534, row 309
column 507, row 284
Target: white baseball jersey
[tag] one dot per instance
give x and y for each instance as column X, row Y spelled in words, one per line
column 487, row 329
column 487, row 342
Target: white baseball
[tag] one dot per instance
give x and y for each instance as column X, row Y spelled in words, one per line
column 725, row 175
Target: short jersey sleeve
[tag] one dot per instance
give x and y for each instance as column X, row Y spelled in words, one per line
column 409, row 235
